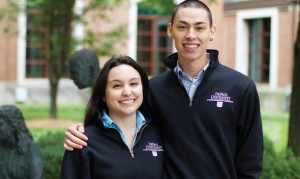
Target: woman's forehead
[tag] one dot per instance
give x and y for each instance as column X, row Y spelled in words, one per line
column 123, row 72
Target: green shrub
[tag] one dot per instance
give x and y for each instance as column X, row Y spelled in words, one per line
column 282, row 165
column 276, row 165
column 51, row 145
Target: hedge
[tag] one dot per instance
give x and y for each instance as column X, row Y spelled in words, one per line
column 52, row 150
column 282, row 165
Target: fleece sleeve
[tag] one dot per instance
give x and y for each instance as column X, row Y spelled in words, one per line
column 249, row 154
column 75, row 165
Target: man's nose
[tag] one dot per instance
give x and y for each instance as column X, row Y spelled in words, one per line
column 191, row 33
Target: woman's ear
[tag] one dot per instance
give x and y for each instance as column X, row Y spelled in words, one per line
column 170, row 30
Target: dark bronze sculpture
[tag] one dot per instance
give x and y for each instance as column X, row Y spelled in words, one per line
column 84, row 68
column 20, row 157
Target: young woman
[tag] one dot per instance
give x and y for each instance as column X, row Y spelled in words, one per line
column 122, row 142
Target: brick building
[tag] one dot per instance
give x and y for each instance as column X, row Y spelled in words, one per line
column 255, row 37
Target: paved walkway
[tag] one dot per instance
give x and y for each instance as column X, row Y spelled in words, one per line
column 49, row 123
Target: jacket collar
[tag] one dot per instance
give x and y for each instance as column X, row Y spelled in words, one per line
column 172, row 59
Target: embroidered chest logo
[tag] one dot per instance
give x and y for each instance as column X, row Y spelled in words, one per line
column 220, row 98
column 154, row 148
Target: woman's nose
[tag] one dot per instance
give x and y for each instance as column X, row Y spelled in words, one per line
column 126, row 90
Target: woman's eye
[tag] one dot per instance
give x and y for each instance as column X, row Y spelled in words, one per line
column 117, row 86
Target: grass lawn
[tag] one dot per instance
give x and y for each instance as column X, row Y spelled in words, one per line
column 275, row 123
column 275, row 127
column 72, row 112
column 38, row 112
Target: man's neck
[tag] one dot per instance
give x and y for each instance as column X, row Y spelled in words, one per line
column 193, row 67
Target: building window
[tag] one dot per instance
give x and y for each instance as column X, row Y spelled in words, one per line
column 36, row 38
column 37, row 50
column 153, row 43
column 259, row 49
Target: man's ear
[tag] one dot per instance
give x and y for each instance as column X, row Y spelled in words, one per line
column 213, row 31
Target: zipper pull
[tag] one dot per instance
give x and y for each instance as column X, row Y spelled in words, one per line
column 132, row 154
column 190, row 104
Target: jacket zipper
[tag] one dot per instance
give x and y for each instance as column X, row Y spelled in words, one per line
column 137, row 139
column 191, row 99
column 191, row 103
column 131, row 153
column 131, row 150
column 204, row 75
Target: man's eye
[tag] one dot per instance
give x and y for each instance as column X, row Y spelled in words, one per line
column 182, row 27
column 199, row 28
column 134, row 84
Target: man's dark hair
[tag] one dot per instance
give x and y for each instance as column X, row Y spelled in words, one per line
column 192, row 4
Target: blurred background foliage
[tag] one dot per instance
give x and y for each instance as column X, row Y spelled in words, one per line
column 278, row 163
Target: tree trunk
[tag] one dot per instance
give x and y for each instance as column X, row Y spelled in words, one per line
column 60, row 28
column 53, row 95
column 294, row 123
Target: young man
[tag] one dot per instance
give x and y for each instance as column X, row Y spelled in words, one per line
column 209, row 113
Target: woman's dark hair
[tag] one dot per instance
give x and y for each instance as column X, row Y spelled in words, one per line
column 96, row 104
column 193, row 4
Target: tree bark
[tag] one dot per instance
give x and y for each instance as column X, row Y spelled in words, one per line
column 59, row 47
column 53, row 96
column 294, row 122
